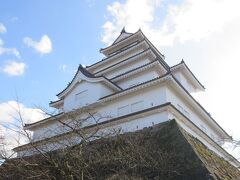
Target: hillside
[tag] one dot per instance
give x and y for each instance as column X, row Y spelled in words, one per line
column 164, row 151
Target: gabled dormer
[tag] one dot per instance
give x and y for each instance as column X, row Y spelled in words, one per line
column 186, row 78
column 84, row 89
column 123, row 35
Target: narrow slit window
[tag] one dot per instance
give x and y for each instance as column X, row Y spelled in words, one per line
column 138, row 106
column 123, row 110
column 81, row 96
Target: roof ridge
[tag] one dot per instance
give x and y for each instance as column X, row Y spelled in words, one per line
column 85, row 72
column 139, row 67
column 123, row 31
column 119, row 41
column 124, row 60
column 183, row 62
column 159, row 77
column 106, row 58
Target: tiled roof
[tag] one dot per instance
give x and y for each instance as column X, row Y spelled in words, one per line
column 106, row 58
column 182, row 62
column 123, row 60
column 89, row 75
column 132, row 70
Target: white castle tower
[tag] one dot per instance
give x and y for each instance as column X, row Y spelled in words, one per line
column 135, row 88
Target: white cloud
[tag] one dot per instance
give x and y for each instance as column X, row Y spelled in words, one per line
column 190, row 20
column 194, row 20
column 205, row 33
column 12, row 51
column 3, row 29
column 9, row 112
column 11, row 125
column 133, row 14
column 4, row 50
column 44, row 46
column 14, row 68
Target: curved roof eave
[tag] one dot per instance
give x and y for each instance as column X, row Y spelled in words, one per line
column 106, row 59
column 56, row 103
column 156, row 51
column 88, row 76
column 200, row 106
column 195, row 80
column 104, row 50
column 122, row 32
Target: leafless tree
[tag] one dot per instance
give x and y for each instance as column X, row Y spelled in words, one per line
column 69, row 149
column 96, row 155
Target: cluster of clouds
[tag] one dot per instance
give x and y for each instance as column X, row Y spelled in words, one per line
column 14, row 68
column 205, row 33
column 4, row 50
column 13, row 115
column 188, row 20
column 43, row 46
column 17, row 67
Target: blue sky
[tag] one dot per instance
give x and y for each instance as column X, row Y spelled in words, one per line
column 43, row 42
column 75, row 32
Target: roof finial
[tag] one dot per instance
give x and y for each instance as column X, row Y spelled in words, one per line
column 80, row 67
column 123, row 30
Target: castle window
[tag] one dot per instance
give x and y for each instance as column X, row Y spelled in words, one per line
column 81, row 95
column 123, row 110
column 137, row 106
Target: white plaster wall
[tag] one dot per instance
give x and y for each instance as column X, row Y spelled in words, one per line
column 129, row 126
column 56, row 127
column 94, row 92
column 127, row 67
column 143, row 122
column 47, row 130
column 137, row 78
column 188, row 110
column 152, row 96
column 183, row 80
column 104, row 90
